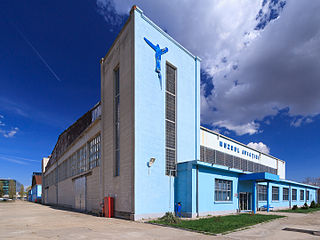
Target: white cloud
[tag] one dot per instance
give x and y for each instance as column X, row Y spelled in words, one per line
column 260, row 147
column 248, row 128
column 255, row 73
column 11, row 133
column 6, row 133
column 298, row 121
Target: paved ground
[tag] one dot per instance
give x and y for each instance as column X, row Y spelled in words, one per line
column 24, row 220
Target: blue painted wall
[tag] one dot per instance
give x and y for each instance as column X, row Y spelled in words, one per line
column 154, row 191
column 36, row 192
column 186, row 189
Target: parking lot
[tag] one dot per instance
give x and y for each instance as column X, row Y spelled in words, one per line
column 24, row 220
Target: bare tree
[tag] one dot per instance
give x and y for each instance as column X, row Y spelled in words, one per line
column 12, row 189
column 312, row 181
column 21, row 193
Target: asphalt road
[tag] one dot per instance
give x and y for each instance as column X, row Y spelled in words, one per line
column 24, row 220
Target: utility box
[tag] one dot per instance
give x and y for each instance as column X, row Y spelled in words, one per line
column 108, row 207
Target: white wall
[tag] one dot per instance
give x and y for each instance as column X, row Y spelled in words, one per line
column 212, row 140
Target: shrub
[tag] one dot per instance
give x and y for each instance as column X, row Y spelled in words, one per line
column 313, row 204
column 295, row 207
column 170, row 218
column 305, row 206
column 318, row 205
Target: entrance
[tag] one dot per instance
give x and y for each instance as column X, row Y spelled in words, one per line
column 245, row 201
column 80, row 193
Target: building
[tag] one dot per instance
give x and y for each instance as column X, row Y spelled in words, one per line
column 143, row 144
column 6, row 186
column 35, row 193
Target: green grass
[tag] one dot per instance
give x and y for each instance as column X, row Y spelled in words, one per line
column 220, row 224
column 300, row 210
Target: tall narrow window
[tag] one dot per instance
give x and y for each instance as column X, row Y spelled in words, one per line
column 285, row 194
column 262, row 192
column 294, row 194
column 301, row 195
column 170, row 120
column 116, row 122
column 275, row 193
column 307, row 197
column 94, row 152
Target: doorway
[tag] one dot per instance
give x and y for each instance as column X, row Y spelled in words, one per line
column 245, row 201
column 80, row 193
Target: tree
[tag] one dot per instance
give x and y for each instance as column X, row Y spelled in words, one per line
column 1, row 189
column 21, row 193
column 312, row 181
column 12, row 189
column 27, row 190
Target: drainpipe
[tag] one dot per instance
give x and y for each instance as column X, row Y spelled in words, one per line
column 268, row 197
column 290, row 196
column 197, row 191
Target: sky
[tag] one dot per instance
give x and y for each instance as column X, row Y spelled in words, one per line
column 260, row 74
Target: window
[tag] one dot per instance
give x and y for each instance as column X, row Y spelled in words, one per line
column 301, row 195
column 275, row 193
column 82, row 159
column 262, row 193
column 307, row 197
column 170, row 121
column 116, row 122
column 94, row 152
column 294, row 194
column 285, row 194
column 223, row 190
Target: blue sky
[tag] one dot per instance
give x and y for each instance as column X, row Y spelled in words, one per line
column 260, row 74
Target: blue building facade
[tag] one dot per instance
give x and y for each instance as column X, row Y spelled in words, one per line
column 201, row 187
column 35, row 193
column 154, row 185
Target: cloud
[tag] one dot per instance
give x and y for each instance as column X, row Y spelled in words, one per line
column 17, row 159
column 259, row 147
column 11, row 133
column 298, row 121
column 260, row 57
column 7, row 133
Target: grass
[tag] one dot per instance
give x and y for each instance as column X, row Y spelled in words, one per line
column 300, row 210
column 220, row 224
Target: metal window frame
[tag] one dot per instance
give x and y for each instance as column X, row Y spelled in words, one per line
column 169, row 171
column 275, row 193
column 220, row 191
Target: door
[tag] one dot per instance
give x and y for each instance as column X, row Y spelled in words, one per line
column 80, row 193
column 245, row 201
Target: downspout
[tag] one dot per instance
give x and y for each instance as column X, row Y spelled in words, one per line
column 197, row 191
column 196, row 110
column 290, row 196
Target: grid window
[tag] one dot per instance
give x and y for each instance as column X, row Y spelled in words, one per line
column 117, row 122
column 307, row 195
column 294, row 194
column 285, row 194
column 171, row 135
column 223, row 190
column 275, row 193
column 262, row 193
column 81, row 157
column 94, row 152
column 301, row 195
